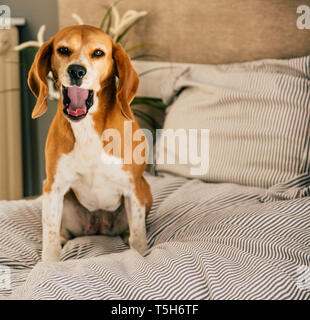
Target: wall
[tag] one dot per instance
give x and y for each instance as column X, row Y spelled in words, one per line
column 206, row 31
column 36, row 12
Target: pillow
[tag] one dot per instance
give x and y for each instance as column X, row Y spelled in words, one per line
column 257, row 114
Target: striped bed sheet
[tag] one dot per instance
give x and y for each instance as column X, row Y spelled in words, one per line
column 206, row 240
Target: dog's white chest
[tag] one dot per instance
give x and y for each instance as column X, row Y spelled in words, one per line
column 99, row 181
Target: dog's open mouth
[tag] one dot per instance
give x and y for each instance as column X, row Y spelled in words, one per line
column 77, row 102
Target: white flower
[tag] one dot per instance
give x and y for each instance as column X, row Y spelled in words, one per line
column 120, row 24
column 77, row 18
column 40, row 36
column 38, row 43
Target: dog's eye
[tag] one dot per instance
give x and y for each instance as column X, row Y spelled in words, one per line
column 98, row 53
column 64, row 51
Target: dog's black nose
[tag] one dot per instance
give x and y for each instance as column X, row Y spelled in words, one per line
column 76, row 72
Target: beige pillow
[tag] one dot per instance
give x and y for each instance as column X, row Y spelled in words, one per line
column 257, row 114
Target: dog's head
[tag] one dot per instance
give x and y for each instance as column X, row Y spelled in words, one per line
column 83, row 59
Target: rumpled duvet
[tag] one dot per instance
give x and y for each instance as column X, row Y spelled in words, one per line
column 206, row 241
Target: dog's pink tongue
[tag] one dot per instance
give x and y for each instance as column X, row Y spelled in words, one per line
column 78, row 99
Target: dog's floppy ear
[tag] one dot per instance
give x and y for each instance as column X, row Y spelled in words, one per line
column 37, row 78
column 128, row 80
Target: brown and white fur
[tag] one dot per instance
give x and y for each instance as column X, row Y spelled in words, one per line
column 87, row 189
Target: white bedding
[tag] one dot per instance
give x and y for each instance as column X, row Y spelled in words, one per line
column 207, row 241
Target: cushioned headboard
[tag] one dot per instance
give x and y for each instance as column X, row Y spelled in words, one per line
column 206, row 31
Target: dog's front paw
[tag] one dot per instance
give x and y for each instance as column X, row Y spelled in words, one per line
column 51, row 254
column 139, row 245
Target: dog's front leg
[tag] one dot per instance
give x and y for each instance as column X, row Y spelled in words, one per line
column 136, row 221
column 52, row 205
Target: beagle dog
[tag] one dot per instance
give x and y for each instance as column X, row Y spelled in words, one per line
column 88, row 188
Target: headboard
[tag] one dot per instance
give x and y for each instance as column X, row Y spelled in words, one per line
column 206, row 31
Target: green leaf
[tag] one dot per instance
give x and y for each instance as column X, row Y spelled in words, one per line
column 106, row 16
column 109, row 25
column 152, row 102
column 152, row 70
column 141, row 56
column 147, row 118
column 123, row 43
column 127, row 29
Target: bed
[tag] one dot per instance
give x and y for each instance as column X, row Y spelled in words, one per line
column 208, row 241
column 244, row 235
